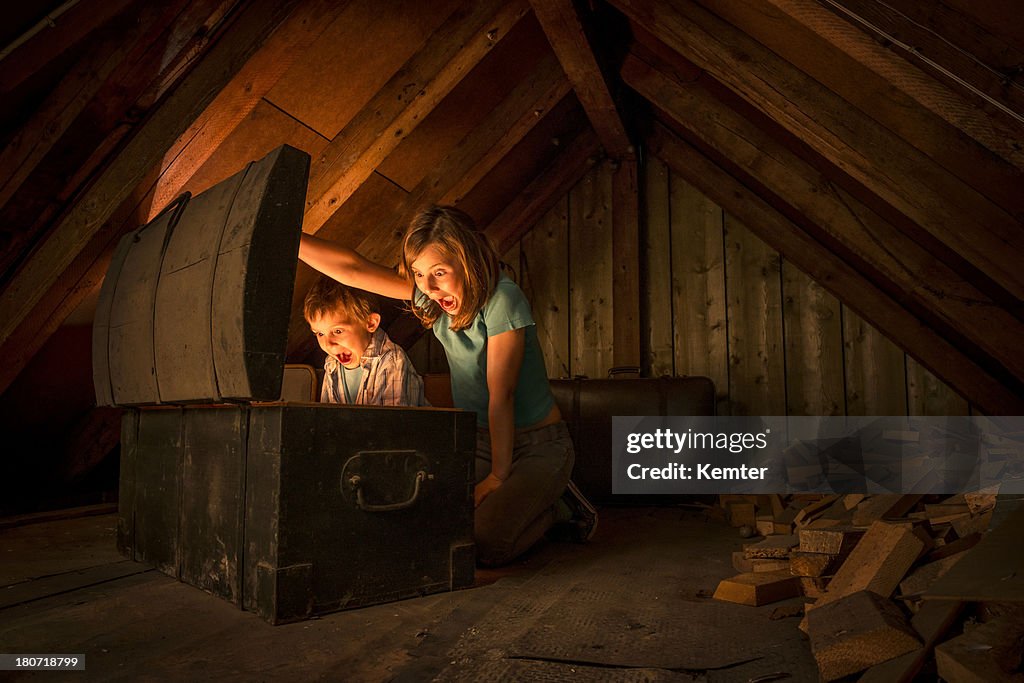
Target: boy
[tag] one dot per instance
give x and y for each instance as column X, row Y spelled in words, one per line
column 363, row 365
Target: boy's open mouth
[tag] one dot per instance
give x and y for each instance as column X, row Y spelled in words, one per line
column 345, row 357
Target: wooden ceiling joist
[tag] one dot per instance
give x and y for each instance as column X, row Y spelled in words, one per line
column 189, row 152
column 895, row 262
column 460, row 171
column 82, row 277
column 240, row 96
column 403, row 102
column 949, row 45
column 551, row 96
column 565, row 33
column 60, row 34
column 909, row 102
column 197, row 88
column 92, row 109
column 888, row 172
column 104, row 58
column 540, row 195
column 836, row 275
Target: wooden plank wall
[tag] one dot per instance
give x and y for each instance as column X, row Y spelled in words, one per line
column 716, row 302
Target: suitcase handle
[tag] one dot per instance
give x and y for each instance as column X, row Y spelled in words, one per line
column 356, row 483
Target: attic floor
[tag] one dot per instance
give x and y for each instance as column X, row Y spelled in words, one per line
column 632, row 605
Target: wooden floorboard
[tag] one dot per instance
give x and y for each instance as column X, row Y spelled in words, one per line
column 625, row 606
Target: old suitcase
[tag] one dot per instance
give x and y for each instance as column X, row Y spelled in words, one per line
column 287, row 509
column 588, row 405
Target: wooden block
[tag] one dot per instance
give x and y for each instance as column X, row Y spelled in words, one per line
column 784, row 519
column 922, row 528
column 758, row 588
column 834, row 541
column 919, row 580
column 856, row 632
column 980, row 501
column 877, row 564
column 765, row 525
column 768, row 565
column 742, row 563
column 773, row 547
column 851, row 500
column 742, row 513
column 813, row 587
column 954, row 547
column 965, row 526
column 782, row 528
column 941, row 513
column 883, row 506
column 987, row 652
column 838, row 511
column 812, row 564
column 810, row 512
column 931, row 623
column 822, row 523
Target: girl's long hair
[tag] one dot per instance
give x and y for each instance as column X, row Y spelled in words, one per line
column 456, row 236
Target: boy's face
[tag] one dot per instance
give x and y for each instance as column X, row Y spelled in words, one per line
column 344, row 339
column 440, row 279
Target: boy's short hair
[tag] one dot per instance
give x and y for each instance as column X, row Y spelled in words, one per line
column 330, row 296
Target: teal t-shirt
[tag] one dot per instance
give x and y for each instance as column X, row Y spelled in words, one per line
column 506, row 309
column 352, row 378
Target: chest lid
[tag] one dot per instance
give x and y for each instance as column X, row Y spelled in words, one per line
column 196, row 303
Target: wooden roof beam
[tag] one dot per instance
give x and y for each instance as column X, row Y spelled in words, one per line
column 908, row 101
column 241, row 95
column 139, row 155
column 565, row 32
column 478, row 154
column 949, row 44
column 108, row 58
column 404, row 101
column 457, row 174
column 62, row 34
column 97, row 104
column 540, row 195
column 836, row 275
column 894, row 261
column 888, row 172
column 231, row 105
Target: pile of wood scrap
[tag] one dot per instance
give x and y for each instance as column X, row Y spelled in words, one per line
column 881, row 580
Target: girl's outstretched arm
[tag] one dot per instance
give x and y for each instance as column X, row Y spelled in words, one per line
column 348, row 267
column 504, row 359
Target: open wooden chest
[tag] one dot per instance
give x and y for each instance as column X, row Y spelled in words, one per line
column 286, row 509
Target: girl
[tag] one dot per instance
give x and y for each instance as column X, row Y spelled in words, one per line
column 524, row 455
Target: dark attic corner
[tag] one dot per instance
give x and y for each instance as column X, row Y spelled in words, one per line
column 763, row 286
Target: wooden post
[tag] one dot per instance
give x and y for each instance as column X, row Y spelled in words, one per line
column 625, row 263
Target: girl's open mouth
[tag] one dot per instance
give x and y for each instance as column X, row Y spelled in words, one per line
column 447, row 303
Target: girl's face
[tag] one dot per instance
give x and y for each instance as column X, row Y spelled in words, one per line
column 440, row 279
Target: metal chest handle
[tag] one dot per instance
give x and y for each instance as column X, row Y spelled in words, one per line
column 357, row 484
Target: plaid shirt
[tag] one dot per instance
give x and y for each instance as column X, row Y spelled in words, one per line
column 389, row 378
